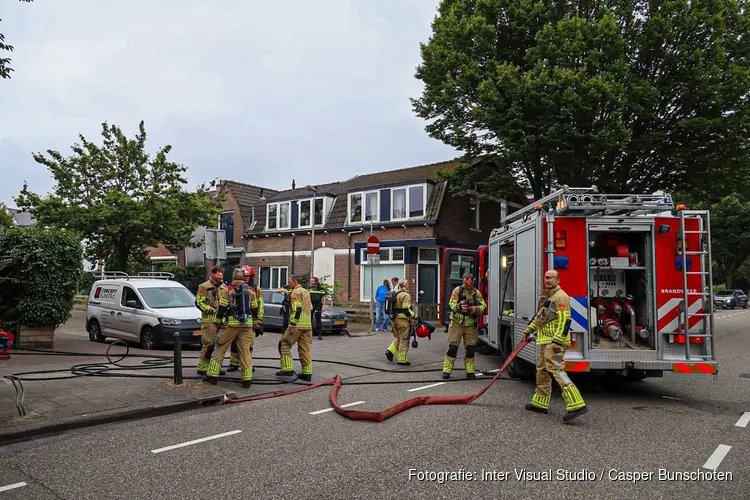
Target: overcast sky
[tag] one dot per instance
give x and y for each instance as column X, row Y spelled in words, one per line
column 254, row 91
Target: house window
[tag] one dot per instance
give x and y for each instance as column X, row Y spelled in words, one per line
column 428, row 255
column 370, row 206
column 226, row 224
column 272, row 277
column 473, row 213
column 391, row 264
column 304, row 212
column 278, row 215
column 408, row 202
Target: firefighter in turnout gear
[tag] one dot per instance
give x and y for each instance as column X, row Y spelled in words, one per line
column 552, row 328
column 239, row 316
column 286, row 306
column 299, row 332
column 402, row 317
column 208, row 298
column 234, row 359
column 466, row 305
column 318, row 298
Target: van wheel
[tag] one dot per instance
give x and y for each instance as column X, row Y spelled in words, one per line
column 148, row 339
column 95, row 331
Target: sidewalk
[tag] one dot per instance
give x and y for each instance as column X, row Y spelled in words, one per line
column 55, row 405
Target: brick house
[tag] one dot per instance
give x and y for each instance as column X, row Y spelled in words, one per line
column 410, row 210
column 236, row 217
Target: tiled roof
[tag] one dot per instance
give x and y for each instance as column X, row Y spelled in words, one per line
column 337, row 214
column 247, row 196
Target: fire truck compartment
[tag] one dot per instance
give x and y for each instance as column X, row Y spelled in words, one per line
column 621, row 287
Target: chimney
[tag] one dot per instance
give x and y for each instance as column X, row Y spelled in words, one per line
column 293, row 184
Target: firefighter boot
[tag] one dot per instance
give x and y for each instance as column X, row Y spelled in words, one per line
column 539, row 404
column 574, row 403
column 402, row 359
column 214, row 369
column 469, row 362
column 450, row 358
column 392, row 350
column 306, row 373
column 287, row 367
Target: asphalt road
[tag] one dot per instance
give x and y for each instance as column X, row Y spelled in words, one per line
column 290, row 447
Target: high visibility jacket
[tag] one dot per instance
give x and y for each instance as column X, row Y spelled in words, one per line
column 301, row 311
column 210, row 296
column 552, row 321
column 259, row 295
column 316, row 296
column 232, row 319
column 473, row 297
column 402, row 305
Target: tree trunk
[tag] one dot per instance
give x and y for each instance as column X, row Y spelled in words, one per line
column 730, row 276
column 122, row 256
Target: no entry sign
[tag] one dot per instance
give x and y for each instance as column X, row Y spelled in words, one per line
column 373, row 244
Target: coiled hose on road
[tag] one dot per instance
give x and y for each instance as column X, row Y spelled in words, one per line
column 160, row 362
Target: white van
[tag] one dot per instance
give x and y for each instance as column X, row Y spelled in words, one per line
column 148, row 308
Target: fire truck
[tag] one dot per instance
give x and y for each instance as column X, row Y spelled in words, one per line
column 637, row 269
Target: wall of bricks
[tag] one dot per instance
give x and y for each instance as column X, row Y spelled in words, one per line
column 453, row 221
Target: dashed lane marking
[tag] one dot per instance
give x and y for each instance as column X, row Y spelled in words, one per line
column 744, row 420
column 12, row 487
column 196, row 441
column 331, row 409
column 425, row 387
column 718, row 455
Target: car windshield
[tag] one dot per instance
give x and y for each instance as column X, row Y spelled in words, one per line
column 723, row 293
column 167, row 297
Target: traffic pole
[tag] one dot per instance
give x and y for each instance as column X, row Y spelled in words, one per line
column 177, row 359
column 372, row 288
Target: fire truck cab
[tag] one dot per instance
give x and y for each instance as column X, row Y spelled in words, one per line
column 620, row 259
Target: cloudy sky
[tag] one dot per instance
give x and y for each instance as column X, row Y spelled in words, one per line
column 249, row 90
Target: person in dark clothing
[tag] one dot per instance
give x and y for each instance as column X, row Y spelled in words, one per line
column 318, row 298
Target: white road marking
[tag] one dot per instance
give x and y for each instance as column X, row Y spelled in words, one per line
column 331, row 409
column 425, row 387
column 744, row 420
column 201, row 440
column 12, row 486
column 718, row 455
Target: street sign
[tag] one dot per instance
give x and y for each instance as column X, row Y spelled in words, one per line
column 373, row 244
column 373, row 259
column 215, row 244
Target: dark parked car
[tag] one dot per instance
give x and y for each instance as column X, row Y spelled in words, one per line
column 730, row 299
column 334, row 319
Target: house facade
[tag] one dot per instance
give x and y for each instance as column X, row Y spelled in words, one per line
column 410, row 210
column 236, row 218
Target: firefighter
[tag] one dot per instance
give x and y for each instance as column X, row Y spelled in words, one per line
column 207, row 301
column 239, row 312
column 466, row 305
column 402, row 318
column 318, row 299
column 234, row 360
column 286, row 305
column 552, row 327
column 299, row 332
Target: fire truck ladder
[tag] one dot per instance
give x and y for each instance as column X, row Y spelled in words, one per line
column 707, row 293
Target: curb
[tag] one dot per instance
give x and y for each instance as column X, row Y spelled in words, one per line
column 136, row 414
column 361, row 334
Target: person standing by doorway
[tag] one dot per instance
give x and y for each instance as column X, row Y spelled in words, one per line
column 380, row 316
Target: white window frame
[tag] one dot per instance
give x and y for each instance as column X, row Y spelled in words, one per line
column 363, row 194
column 407, row 189
column 477, row 217
column 270, row 276
column 320, row 199
column 278, row 215
column 389, row 262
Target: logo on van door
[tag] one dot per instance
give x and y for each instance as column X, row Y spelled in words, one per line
column 106, row 293
column 678, row 290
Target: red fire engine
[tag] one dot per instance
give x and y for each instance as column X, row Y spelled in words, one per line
column 620, row 259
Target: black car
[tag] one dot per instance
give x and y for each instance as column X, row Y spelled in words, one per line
column 729, row 299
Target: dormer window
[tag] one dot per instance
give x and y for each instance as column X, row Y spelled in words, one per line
column 278, row 215
column 364, row 207
column 408, row 202
column 304, row 212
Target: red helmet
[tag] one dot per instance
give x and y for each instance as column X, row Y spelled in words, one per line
column 423, row 331
column 249, row 271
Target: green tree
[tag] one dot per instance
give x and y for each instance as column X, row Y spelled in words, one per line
column 120, row 200
column 5, row 68
column 6, row 220
column 630, row 95
column 730, row 235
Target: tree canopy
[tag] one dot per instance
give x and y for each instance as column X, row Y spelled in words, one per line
column 6, row 219
column 5, row 68
column 119, row 199
column 630, row 95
